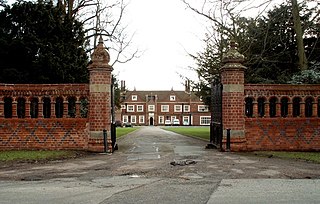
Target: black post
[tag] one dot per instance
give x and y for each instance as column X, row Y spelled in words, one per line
column 105, row 140
column 228, row 140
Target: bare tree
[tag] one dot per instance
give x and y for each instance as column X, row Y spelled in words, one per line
column 106, row 20
column 222, row 17
column 103, row 18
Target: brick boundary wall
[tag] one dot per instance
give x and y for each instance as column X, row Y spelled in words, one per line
column 289, row 134
column 44, row 134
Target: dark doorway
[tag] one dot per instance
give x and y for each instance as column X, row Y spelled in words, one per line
column 151, row 120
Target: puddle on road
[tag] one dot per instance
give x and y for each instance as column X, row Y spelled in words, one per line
column 189, row 150
column 244, row 161
column 268, row 172
column 143, row 157
column 191, row 176
column 238, row 171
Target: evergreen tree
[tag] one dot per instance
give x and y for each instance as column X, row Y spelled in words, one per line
column 40, row 45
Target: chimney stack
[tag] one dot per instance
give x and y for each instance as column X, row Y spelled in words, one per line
column 123, row 86
column 187, row 86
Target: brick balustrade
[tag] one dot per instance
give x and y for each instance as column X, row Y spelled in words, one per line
column 283, row 131
column 267, row 116
column 39, row 92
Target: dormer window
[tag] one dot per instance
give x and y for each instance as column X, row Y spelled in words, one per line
column 134, row 97
column 203, row 108
column 172, row 98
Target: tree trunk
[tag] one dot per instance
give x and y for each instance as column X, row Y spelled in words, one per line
column 303, row 62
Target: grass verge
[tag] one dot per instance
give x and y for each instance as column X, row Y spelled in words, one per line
column 31, row 156
column 198, row 132
column 123, row 131
column 47, row 155
column 306, row 156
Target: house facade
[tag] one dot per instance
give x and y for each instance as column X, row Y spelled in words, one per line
column 157, row 108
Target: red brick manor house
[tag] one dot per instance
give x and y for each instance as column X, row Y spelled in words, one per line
column 160, row 107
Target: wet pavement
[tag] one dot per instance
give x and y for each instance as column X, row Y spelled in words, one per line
column 141, row 171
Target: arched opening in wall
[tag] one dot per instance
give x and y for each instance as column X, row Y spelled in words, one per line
column 21, row 108
column 7, row 107
column 249, row 107
column 34, row 107
column 84, row 107
column 46, row 107
column 59, row 107
column 261, row 106
column 273, row 107
column 296, row 107
column 308, row 107
column 284, row 107
column 72, row 107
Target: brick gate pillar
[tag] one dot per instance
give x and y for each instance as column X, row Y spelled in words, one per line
column 100, row 98
column 233, row 116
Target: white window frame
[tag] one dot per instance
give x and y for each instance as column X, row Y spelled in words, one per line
column 178, row 108
column 151, row 108
column 134, row 97
column 161, row 119
column 141, row 119
column 123, row 107
column 133, row 119
column 130, row 108
column 203, row 108
column 125, row 118
column 172, row 98
column 185, row 119
column 165, row 108
column 186, row 108
column 205, row 120
column 139, row 106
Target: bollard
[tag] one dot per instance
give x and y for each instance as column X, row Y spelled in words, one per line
column 105, row 140
column 228, row 140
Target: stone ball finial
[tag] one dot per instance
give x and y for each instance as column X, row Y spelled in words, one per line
column 100, row 57
column 100, row 39
column 233, row 59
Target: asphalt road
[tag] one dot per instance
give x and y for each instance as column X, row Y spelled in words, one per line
column 141, row 171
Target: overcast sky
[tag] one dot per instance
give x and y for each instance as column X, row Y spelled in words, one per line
column 166, row 31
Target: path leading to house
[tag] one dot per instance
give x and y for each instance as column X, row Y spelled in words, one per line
column 156, row 166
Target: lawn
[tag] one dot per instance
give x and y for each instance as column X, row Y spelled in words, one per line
column 121, row 131
column 307, row 156
column 28, row 155
column 198, row 132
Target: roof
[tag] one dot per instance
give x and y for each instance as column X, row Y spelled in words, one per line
column 161, row 96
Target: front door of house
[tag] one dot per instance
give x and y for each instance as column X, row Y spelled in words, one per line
column 151, row 120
